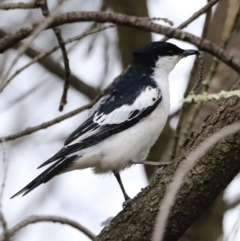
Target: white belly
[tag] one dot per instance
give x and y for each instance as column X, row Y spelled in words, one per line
column 115, row 152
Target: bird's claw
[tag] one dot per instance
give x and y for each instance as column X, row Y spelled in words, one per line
column 126, row 203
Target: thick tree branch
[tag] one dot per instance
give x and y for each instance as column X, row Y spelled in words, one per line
column 182, row 171
column 129, row 21
column 212, row 173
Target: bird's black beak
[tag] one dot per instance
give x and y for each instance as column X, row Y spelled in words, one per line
column 188, row 52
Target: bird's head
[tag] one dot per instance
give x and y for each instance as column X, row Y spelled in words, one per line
column 161, row 55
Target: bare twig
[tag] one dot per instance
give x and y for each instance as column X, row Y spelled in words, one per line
column 48, row 218
column 57, row 31
column 63, row 101
column 229, row 25
column 45, row 125
column 19, row 5
column 177, row 141
column 203, row 10
column 177, row 134
column 54, row 67
column 37, row 30
column 5, row 169
column 226, row 34
column 181, row 172
column 43, row 55
column 5, row 235
column 200, row 75
column 129, row 21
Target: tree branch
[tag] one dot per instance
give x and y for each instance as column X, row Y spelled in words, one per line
column 57, row 31
column 39, row 28
column 55, row 68
column 54, row 219
column 20, row 5
column 205, row 97
column 129, row 21
column 201, row 11
column 212, row 173
column 45, row 125
column 185, row 167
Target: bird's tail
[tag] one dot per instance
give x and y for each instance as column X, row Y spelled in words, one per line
column 58, row 167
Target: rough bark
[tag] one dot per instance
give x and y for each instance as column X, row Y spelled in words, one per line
column 207, row 179
column 209, row 226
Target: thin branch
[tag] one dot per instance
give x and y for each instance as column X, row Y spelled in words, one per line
column 5, row 170
column 200, row 75
column 129, row 21
column 43, row 55
column 181, row 172
column 228, row 28
column 57, row 31
column 54, row 219
column 45, row 125
column 177, row 141
column 63, row 101
column 37, row 30
column 203, row 10
column 5, row 235
column 55, row 68
column 19, row 5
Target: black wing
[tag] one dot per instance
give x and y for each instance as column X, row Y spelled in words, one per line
column 100, row 126
column 48, row 174
column 133, row 98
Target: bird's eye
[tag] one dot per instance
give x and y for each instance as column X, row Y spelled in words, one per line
column 153, row 99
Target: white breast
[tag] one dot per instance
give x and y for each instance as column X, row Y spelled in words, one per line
column 115, row 152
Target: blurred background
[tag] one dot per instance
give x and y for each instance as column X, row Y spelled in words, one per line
column 33, row 97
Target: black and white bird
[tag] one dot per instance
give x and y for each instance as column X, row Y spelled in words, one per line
column 125, row 123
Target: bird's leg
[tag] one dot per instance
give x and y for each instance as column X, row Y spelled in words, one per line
column 158, row 164
column 126, row 197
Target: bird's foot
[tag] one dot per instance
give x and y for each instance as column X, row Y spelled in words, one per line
column 126, row 202
column 158, row 164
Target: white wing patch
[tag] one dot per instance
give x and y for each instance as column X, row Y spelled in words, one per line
column 146, row 99
column 97, row 105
